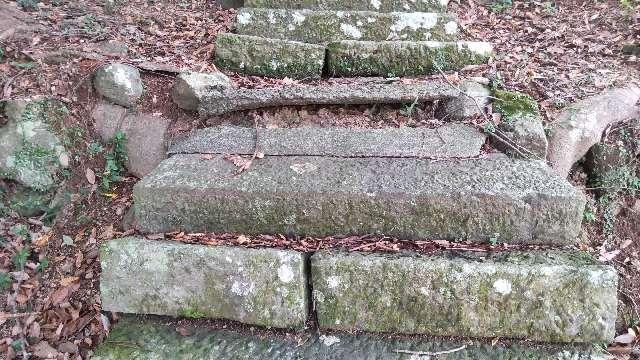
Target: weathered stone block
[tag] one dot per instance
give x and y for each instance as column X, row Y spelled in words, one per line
column 403, row 58
column 541, row 296
column 355, row 92
column 322, row 27
column 512, row 201
column 264, row 287
column 470, row 104
column 453, row 140
column 146, row 142
column 253, row 55
column 150, row 339
column 119, row 83
column 190, row 87
column 357, row 5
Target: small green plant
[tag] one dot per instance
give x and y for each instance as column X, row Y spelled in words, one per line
column 192, row 313
column 493, row 240
column 629, row 5
column 20, row 258
column 589, row 215
column 1, row 54
column 501, row 5
column 6, row 281
column 43, row 264
column 95, row 148
column 21, row 230
column 549, row 7
column 116, row 160
column 409, row 109
column 28, row 5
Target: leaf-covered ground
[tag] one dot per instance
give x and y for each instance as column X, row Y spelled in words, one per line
column 557, row 51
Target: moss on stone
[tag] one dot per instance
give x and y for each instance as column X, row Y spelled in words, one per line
column 512, row 104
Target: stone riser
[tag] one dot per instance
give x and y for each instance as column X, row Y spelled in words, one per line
column 546, row 296
column 142, row 339
column 491, row 199
column 353, row 5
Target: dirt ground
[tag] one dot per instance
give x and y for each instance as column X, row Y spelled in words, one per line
column 557, row 51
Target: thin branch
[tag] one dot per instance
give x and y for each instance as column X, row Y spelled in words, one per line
column 426, row 353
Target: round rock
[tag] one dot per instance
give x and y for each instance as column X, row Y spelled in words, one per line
column 119, row 83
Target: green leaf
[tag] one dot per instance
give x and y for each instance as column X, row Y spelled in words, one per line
column 5, row 281
column 20, row 258
column 44, row 263
column 67, row 240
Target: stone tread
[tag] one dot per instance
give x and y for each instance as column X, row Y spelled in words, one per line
column 547, row 296
column 452, row 140
column 403, row 58
column 263, row 287
column 140, row 338
column 357, row 92
column 253, row 55
column 357, row 5
column 512, row 201
column 323, row 26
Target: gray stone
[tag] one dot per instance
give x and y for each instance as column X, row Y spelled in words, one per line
column 470, row 104
column 265, row 287
column 146, row 142
column 356, row 92
column 147, row 339
column 540, row 296
column 253, row 55
column 512, row 201
column 403, row 58
column 107, row 119
column 230, row 4
column 189, row 88
column 30, row 153
column 357, row 5
column 580, row 127
column 453, row 140
column 521, row 131
column 324, row 26
column 119, row 83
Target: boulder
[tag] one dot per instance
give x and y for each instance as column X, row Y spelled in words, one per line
column 578, row 128
column 146, row 142
column 190, row 87
column 107, row 119
column 30, row 153
column 119, row 83
column 520, row 132
column 469, row 104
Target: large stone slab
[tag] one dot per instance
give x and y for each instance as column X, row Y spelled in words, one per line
column 358, row 5
column 137, row 338
column 322, row 27
column 403, row 58
column 253, row 55
column 541, row 296
column 453, row 140
column 356, row 92
column 264, row 287
column 494, row 198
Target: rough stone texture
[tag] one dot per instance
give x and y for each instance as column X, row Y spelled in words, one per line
column 107, row 119
column 357, row 92
column 275, row 58
column 470, row 104
column 265, row 287
column 29, row 203
column 454, row 140
column 357, row 5
column 30, row 153
column 15, row 23
column 521, row 131
column 512, row 200
column 403, row 58
column 580, row 127
column 230, row 4
column 189, row 88
column 137, row 338
column 146, row 142
column 322, row 27
column 119, row 83
column 540, row 296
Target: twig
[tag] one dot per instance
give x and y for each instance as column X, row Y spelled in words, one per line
column 426, row 353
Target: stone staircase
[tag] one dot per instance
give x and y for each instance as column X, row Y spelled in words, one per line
column 363, row 38
column 414, row 184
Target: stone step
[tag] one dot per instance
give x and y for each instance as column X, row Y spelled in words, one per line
column 357, row 5
column 322, row 27
column 490, row 199
column 542, row 296
column 263, row 287
column 403, row 58
column 253, row 55
column 146, row 339
column 355, row 92
column 452, row 140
